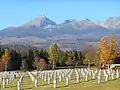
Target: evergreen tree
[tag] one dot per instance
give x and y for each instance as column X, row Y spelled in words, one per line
column 24, row 65
column 81, row 58
column 62, row 58
column 75, row 56
column 36, row 63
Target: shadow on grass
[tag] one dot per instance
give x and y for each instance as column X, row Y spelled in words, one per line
column 26, row 89
column 29, row 83
column 10, row 86
column 42, row 85
column 62, row 86
column 111, row 80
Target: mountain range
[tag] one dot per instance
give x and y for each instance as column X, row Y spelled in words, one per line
column 71, row 33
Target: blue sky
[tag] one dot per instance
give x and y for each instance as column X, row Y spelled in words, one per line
column 18, row 12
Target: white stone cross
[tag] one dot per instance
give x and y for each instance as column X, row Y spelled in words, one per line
column 99, row 78
column 86, row 77
column 106, row 77
column 112, row 75
column 45, row 78
column 69, row 76
column 67, row 81
column 18, row 85
column 36, row 82
column 48, row 80
column 78, row 79
column 60, row 78
column 54, row 83
column 117, row 74
column 3, row 83
column 7, row 81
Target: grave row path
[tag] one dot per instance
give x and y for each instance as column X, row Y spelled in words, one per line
column 27, row 84
column 91, row 84
column 12, row 85
column 83, row 85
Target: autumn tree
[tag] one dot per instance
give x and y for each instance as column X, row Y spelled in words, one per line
column 53, row 52
column 107, row 49
column 40, row 59
column 43, row 64
column 113, row 44
column 6, row 58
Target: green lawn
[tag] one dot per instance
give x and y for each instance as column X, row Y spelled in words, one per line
column 83, row 85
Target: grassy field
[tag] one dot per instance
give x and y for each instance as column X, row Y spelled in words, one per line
column 83, row 85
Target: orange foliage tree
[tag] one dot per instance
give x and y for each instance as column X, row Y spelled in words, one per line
column 6, row 57
column 1, row 65
column 108, row 49
column 43, row 64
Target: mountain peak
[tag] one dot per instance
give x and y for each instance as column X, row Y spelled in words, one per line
column 87, row 19
column 68, row 21
column 41, row 17
column 113, row 19
column 40, row 21
column 111, row 22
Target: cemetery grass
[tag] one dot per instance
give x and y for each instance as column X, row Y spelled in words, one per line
column 83, row 85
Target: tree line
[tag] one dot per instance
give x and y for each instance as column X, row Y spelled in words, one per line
column 29, row 58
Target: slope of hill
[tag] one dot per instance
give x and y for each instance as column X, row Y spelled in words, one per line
column 111, row 23
column 45, row 28
column 40, row 21
column 42, row 28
